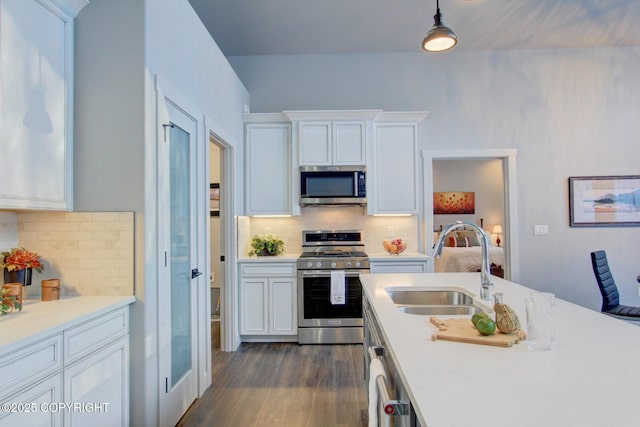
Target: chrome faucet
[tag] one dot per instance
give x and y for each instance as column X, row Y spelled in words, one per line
column 486, row 286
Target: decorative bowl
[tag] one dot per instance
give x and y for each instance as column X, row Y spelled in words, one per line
column 394, row 246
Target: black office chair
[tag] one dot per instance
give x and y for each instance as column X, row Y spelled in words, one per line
column 610, row 296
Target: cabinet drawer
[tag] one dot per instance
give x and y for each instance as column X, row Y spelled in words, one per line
column 31, row 363
column 96, row 333
column 399, row 267
column 267, row 270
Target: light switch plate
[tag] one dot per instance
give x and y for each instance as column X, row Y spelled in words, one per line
column 540, row 229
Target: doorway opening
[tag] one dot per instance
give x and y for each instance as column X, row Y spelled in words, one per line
column 509, row 221
column 221, row 247
column 216, row 278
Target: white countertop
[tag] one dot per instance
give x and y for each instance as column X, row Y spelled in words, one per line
column 41, row 319
column 590, row 378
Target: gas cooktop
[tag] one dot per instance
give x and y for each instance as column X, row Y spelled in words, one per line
column 333, row 253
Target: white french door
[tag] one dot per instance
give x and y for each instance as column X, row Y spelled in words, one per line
column 178, row 273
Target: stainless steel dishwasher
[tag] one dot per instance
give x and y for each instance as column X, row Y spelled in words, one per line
column 393, row 399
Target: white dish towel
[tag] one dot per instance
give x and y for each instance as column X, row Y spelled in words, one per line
column 375, row 369
column 337, row 287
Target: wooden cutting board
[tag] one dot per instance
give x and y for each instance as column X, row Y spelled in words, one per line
column 462, row 330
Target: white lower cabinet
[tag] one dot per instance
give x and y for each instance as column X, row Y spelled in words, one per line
column 101, row 383
column 268, row 299
column 36, row 405
column 79, row 376
column 399, row 266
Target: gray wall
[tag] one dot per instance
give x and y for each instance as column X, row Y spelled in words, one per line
column 567, row 112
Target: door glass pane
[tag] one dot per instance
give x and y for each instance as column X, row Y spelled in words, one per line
column 179, row 256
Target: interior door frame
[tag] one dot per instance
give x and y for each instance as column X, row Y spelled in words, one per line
column 508, row 158
column 229, row 329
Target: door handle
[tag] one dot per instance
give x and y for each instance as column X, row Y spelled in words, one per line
column 195, row 273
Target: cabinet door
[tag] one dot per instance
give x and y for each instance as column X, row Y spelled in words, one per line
column 396, row 169
column 283, row 305
column 349, row 143
column 36, row 406
column 36, row 105
column 326, row 143
column 253, row 306
column 315, row 143
column 101, row 379
column 268, row 169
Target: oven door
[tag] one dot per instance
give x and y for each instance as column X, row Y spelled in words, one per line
column 314, row 300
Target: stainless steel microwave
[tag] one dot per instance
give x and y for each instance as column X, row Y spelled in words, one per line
column 333, row 185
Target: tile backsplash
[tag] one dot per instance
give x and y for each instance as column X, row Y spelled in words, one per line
column 375, row 228
column 90, row 252
column 8, row 230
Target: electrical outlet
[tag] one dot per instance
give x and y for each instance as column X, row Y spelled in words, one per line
column 540, row 229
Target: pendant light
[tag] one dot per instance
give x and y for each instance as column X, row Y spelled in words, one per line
column 440, row 37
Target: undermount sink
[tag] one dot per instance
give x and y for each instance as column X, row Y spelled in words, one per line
column 439, row 310
column 440, row 301
column 429, row 297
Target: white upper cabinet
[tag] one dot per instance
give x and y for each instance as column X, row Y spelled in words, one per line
column 331, row 138
column 393, row 167
column 36, row 103
column 268, row 188
column 332, row 143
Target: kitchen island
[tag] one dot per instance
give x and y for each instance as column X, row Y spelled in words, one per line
column 589, row 378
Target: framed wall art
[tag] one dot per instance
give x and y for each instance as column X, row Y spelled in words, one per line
column 214, row 199
column 604, row 201
column 454, row 202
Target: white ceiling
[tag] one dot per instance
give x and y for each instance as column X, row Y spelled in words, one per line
column 269, row 27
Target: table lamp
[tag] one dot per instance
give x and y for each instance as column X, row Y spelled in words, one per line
column 497, row 229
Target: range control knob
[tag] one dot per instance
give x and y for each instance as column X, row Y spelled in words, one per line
column 309, row 264
column 348, row 264
column 357, row 263
column 333, row 265
column 318, row 264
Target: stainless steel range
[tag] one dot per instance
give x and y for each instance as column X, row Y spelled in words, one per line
column 329, row 289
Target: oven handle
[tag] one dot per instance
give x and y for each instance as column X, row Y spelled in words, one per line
column 391, row 407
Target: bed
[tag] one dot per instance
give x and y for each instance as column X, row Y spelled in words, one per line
column 461, row 259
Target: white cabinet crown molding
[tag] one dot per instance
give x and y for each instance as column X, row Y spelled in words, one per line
column 401, row 116
column 332, row 114
column 265, row 118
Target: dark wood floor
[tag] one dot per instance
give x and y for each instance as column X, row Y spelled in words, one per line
column 282, row 384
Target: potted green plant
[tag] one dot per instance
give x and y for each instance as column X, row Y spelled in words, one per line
column 18, row 265
column 266, row 245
